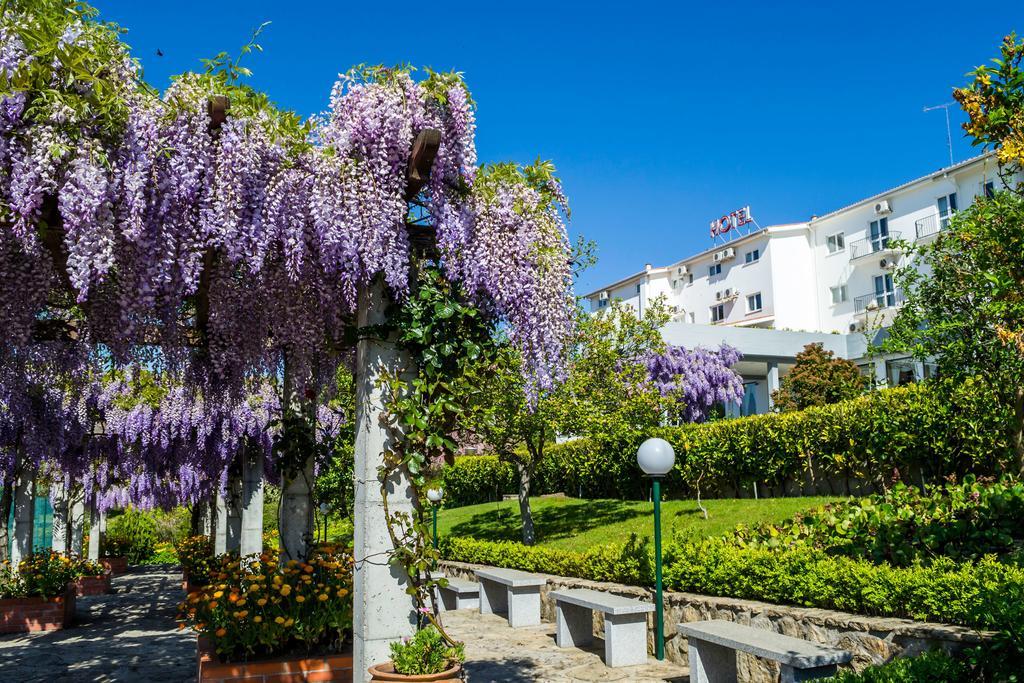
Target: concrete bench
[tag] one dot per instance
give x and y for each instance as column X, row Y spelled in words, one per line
column 458, row 594
column 713, row 645
column 625, row 624
column 511, row 592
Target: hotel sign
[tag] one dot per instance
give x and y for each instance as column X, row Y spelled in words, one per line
column 731, row 221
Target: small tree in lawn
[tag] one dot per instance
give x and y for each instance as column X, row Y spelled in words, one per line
column 964, row 308
column 818, row 378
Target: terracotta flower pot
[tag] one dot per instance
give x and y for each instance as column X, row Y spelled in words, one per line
column 386, row 672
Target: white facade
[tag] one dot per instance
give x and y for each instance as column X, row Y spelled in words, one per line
column 831, row 277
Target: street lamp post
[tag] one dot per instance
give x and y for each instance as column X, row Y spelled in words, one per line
column 657, row 458
column 435, row 496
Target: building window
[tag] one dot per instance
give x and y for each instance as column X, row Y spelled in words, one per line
column 718, row 313
column 879, row 234
column 753, row 256
column 638, row 289
column 947, row 207
column 693, row 317
column 838, row 294
column 754, row 303
column 836, row 242
column 603, row 303
column 990, row 189
column 715, row 269
column 689, row 278
column 885, row 293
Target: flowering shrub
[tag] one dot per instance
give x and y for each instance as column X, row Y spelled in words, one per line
column 425, row 653
column 83, row 566
column 195, row 553
column 265, row 608
column 10, row 582
column 47, row 574
column 131, row 534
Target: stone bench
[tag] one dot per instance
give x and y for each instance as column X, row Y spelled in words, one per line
column 625, row 624
column 458, row 594
column 511, row 592
column 713, row 646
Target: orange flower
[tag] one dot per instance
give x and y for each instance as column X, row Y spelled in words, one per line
column 221, row 632
column 261, row 602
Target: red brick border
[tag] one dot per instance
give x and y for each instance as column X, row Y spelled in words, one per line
column 294, row 670
column 93, row 585
column 24, row 615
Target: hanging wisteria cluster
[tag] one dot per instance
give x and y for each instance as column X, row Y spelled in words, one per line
column 696, row 380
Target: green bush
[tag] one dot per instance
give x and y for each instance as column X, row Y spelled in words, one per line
column 934, row 667
column 944, row 591
column 902, row 526
column 132, row 534
column 919, row 432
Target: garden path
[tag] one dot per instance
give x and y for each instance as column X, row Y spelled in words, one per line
column 127, row 636
column 497, row 653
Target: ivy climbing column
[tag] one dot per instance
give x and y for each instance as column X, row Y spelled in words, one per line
column 383, row 611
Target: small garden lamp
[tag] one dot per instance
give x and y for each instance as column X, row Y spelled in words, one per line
column 657, row 458
column 435, row 496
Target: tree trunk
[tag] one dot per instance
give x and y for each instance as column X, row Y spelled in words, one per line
column 1018, row 436
column 525, row 475
column 6, row 501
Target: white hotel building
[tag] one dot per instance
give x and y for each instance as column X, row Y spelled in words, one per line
column 773, row 290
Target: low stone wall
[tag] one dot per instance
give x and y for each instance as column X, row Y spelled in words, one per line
column 872, row 640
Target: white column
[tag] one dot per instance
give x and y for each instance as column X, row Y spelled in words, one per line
column 220, row 524
column 59, row 526
column 76, row 520
column 881, row 373
column 252, row 502
column 95, row 529
column 234, row 514
column 296, row 519
column 24, row 514
column 772, row 380
column 383, row 612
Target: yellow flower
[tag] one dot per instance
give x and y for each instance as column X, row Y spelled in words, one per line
column 241, row 603
column 218, row 594
column 322, row 597
column 279, row 620
column 289, row 622
column 242, row 615
column 342, row 592
column 261, row 602
column 285, row 589
column 300, row 598
column 257, row 619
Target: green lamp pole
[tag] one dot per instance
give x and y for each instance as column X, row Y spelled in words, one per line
column 435, row 496
column 657, row 458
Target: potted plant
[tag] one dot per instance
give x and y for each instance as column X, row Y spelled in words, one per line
column 92, row 577
column 39, row 595
column 427, row 656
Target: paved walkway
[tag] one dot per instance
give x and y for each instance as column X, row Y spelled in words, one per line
column 131, row 636
column 128, row 636
column 496, row 653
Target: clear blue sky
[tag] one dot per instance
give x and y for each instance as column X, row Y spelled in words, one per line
column 659, row 117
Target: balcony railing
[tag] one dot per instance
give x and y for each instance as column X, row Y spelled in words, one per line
column 877, row 302
column 873, row 245
column 930, row 225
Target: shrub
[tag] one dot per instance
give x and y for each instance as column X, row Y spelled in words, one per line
column 131, row 534
column 934, row 667
column 425, row 653
column 902, row 526
column 47, row 574
column 967, row 593
column 195, row 553
column 923, row 431
column 265, row 608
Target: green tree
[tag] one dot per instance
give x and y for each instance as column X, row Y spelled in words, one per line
column 818, row 378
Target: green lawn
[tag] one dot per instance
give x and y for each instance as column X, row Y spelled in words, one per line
column 575, row 524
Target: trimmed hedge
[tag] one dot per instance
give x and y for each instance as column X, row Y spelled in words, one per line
column 934, row 667
column 985, row 594
column 924, row 432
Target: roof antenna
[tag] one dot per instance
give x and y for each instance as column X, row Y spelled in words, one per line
column 949, row 136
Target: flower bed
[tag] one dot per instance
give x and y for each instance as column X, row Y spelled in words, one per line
column 92, row 585
column 24, row 615
column 336, row 667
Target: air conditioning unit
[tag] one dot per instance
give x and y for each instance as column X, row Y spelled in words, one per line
column 728, row 253
column 726, row 294
column 856, row 327
column 887, row 263
column 718, row 256
column 603, row 296
column 682, row 270
column 883, row 207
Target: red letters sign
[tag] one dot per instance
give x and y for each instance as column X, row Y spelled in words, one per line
column 731, row 221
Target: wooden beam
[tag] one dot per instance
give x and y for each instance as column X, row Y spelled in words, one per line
column 424, row 151
column 217, row 107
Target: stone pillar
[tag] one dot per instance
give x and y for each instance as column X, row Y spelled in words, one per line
column 252, row 502
column 59, row 528
column 220, row 524
column 95, row 530
column 881, row 373
column 76, row 521
column 383, row 612
column 296, row 519
column 24, row 514
column 773, row 383
column 234, row 515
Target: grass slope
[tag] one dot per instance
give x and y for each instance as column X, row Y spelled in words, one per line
column 575, row 524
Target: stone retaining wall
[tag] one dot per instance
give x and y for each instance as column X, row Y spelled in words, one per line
column 872, row 640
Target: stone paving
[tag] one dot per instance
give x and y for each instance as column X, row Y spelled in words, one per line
column 131, row 636
column 496, row 653
column 127, row 636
